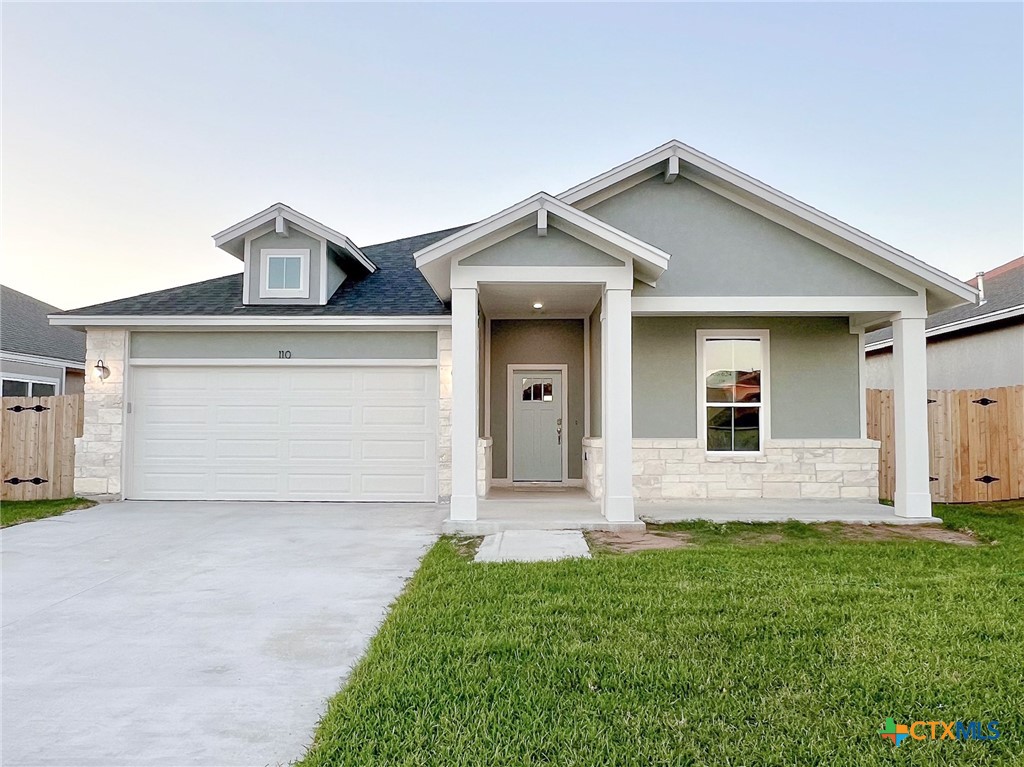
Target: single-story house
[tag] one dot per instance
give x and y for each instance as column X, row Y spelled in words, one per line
column 37, row 359
column 669, row 329
column 973, row 346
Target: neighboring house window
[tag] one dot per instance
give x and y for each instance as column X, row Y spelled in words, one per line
column 13, row 388
column 734, row 389
column 285, row 273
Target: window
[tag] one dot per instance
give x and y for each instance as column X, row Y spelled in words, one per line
column 734, row 385
column 284, row 273
column 12, row 388
column 537, row 390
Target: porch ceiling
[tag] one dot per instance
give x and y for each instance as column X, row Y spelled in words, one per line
column 516, row 300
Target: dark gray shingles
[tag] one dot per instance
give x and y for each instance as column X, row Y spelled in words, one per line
column 25, row 329
column 396, row 289
column 1002, row 291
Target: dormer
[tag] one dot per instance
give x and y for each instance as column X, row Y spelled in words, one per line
column 291, row 259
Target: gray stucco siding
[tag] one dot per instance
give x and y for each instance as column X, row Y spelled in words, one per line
column 719, row 248
column 813, row 369
column 537, row 342
column 527, row 249
column 295, row 240
column 344, row 344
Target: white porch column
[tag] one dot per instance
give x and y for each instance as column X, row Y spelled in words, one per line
column 617, row 405
column 464, row 403
column 910, row 395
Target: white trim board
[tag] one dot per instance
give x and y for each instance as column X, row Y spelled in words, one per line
column 952, row 327
column 510, row 423
column 276, row 362
column 908, row 306
column 266, row 322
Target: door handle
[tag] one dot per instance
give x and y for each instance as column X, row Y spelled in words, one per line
column 558, row 430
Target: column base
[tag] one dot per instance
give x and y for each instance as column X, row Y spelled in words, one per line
column 463, row 508
column 618, row 508
column 913, row 505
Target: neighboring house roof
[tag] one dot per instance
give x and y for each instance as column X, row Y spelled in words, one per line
column 1004, row 299
column 25, row 329
column 396, row 288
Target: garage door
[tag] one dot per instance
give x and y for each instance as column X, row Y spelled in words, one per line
column 284, row 433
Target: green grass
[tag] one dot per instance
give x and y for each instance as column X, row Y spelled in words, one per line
column 724, row 654
column 16, row 512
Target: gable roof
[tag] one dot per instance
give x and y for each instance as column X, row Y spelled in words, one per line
column 649, row 262
column 25, row 329
column 232, row 238
column 676, row 158
column 1004, row 300
column 395, row 289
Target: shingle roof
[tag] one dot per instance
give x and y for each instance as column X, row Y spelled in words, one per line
column 24, row 329
column 1004, row 289
column 396, row 289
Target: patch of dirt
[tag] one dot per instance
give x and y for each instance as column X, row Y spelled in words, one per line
column 466, row 546
column 903, row 532
column 754, row 538
column 627, row 543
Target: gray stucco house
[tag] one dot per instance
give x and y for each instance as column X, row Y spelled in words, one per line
column 974, row 346
column 36, row 358
column 670, row 329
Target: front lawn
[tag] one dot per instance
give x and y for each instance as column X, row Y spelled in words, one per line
column 728, row 652
column 16, row 512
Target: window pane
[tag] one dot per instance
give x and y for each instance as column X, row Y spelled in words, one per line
column 538, row 392
column 275, row 273
column 747, row 429
column 547, row 392
column 527, row 391
column 719, row 375
column 747, row 364
column 720, row 428
column 15, row 389
column 43, row 390
column 292, row 273
column 732, row 370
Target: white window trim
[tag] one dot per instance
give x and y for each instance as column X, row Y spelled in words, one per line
column 764, row 431
column 56, row 383
column 302, row 291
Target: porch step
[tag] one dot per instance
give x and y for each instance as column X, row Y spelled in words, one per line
column 535, row 522
column 533, row 546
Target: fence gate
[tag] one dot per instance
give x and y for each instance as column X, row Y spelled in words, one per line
column 975, row 438
column 37, row 446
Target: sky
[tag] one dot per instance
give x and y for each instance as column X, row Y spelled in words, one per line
column 131, row 133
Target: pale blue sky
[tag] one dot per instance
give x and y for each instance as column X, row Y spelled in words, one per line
column 131, row 133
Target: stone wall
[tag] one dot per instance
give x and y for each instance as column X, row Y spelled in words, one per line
column 673, row 469
column 593, row 466
column 444, row 434
column 483, row 466
column 98, row 451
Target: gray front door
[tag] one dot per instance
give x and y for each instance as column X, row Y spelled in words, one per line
column 537, row 426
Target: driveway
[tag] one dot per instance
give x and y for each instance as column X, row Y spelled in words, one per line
column 146, row 633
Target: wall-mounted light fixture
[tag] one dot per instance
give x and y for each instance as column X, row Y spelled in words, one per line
column 101, row 371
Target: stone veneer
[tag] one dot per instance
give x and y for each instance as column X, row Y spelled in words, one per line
column 444, row 414
column 672, row 469
column 593, row 466
column 98, row 451
column 483, row 466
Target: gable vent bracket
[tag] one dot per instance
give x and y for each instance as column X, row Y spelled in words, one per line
column 542, row 223
column 281, row 225
column 672, row 169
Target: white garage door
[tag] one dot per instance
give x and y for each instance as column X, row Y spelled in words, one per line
column 284, row 433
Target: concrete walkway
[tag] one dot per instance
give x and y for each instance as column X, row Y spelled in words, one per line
column 191, row 633
column 532, row 546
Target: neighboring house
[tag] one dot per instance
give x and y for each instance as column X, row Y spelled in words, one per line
column 36, row 358
column 671, row 329
column 975, row 346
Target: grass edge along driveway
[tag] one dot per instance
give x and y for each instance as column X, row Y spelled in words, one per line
column 730, row 653
column 16, row 512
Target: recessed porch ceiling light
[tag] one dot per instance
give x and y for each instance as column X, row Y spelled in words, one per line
column 538, row 305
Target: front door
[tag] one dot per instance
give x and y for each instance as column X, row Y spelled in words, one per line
column 537, row 426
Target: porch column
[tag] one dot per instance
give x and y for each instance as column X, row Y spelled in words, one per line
column 617, row 405
column 464, row 403
column 910, row 394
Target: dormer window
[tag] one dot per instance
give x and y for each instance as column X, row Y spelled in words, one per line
column 285, row 273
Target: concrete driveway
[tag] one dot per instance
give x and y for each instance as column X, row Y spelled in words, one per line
column 147, row 633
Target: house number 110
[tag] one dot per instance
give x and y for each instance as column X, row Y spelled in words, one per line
column 284, row 354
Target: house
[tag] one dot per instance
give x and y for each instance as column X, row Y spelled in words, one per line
column 36, row 358
column 670, row 329
column 974, row 346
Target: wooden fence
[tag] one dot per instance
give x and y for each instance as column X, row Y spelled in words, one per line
column 975, row 438
column 37, row 446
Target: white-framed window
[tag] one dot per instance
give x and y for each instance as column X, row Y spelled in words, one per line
column 25, row 387
column 732, row 378
column 284, row 273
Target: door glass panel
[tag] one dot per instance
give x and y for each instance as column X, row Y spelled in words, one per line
column 547, row 391
column 15, row 389
column 527, row 391
column 537, row 392
column 43, row 390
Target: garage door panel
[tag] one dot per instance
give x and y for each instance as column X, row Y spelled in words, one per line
column 340, row 434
